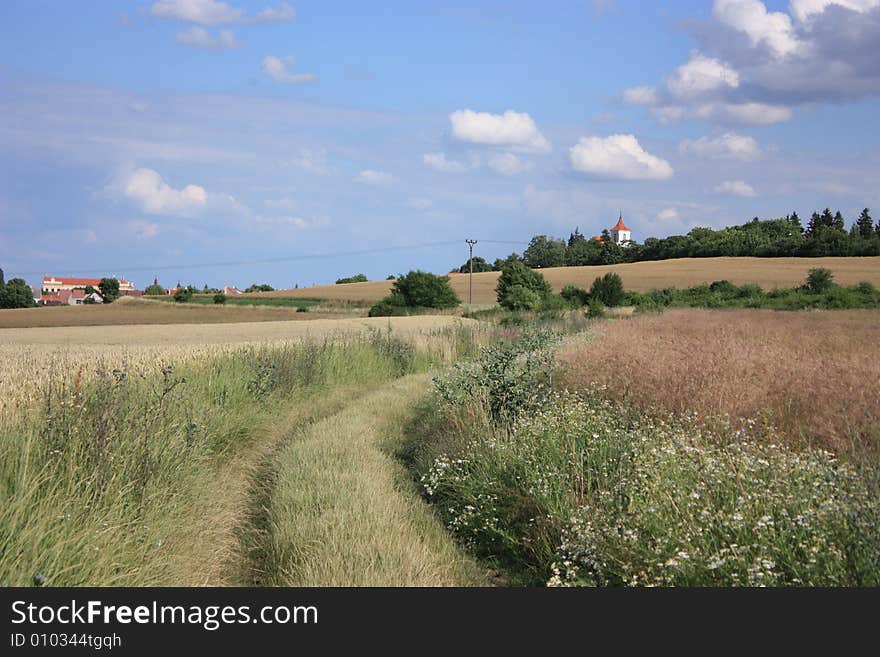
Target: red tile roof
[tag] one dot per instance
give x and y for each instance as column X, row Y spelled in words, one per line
column 619, row 226
column 94, row 282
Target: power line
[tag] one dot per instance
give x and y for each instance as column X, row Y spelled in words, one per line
column 260, row 261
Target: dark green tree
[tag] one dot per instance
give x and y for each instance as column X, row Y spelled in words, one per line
column 865, row 223
column 357, row 278
column 501, row 263
column 814, row 225
column 576, row 237
column 183, row 294
column 109, row 289
column 219, row 298
column 480, row 264
column 518, row 275
column 608, row 289
column 16, row 293
column 154, row 290
column 543, row 252
column 796, row 220
column 425, row 290
column 838, row 222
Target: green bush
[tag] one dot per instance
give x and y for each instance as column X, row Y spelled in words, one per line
column 608, row 289
column 576, row 296
column 520, row 297
column 421, row 289
column 819, row 280
column 183, row 294
column 219, row 298
column 358, row 278
column 517, row 275
column 595, row 309
column 154, row 290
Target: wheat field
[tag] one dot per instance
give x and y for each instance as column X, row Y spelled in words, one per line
column 639, row 276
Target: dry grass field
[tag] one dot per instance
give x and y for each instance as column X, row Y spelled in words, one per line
column 817, row 373
column 639, row 276
column 136, row 311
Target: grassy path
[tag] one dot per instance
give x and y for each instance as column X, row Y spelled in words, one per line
column 344, row 511
column 211, row 547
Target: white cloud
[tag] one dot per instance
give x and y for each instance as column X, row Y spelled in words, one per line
column 278, row 68
column 439, row 162
column 701, row 75
column 667, row 214
column 155, row 196
column 726, row 113
column 204, row 12
column 143, row 229
column 212, row 12
column 199, row 37
column 618, row 156
column 373, row 177
column 641, row 95
column 512, row 129
column 281, row 13
column 291, row 221
column 729, row 146
column 735, row 188
column 508, row 164
column 761, row 26
column 804, row 10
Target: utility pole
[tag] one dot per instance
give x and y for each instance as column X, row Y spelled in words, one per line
column 470, row 244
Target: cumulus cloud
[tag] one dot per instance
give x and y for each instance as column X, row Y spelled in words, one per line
column 667, row 214
column 199, row 37
column 699, row 76
column 212, row 12
column 508, row 164
column 725, row 113
column 278, row 68
column 804, row 10
column 373, row 177
column 773, row 29
column 439, row 162
column 617, row 156
column 754, row 65
column 147, row 188
column 516, row 130
column 729, row 146
column 735, row 188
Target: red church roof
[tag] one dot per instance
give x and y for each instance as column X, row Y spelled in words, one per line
column 619, row 226
column 74, row 281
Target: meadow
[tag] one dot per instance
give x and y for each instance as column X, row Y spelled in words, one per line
column 813, row 376
column 769, row 273
column 142, row 464
column 546, row 484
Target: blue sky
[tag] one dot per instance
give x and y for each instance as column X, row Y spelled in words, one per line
column 293, row 143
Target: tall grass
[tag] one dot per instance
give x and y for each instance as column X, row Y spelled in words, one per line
column 100, row 471
column 815, row 376
column 573, row 489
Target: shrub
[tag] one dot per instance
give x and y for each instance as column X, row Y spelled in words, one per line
column 819, row 280
column 421, row 289
column 724, row 288
column 520, row 297
column 154, row 290
column 595, row 309
column 219, row 298
column 576, row 296
column 516, row 274
column 608, row 289
column 183, row 294
column 257, row 287
column 357, row 278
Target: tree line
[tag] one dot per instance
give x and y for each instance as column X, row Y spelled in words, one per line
column 825, row 234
